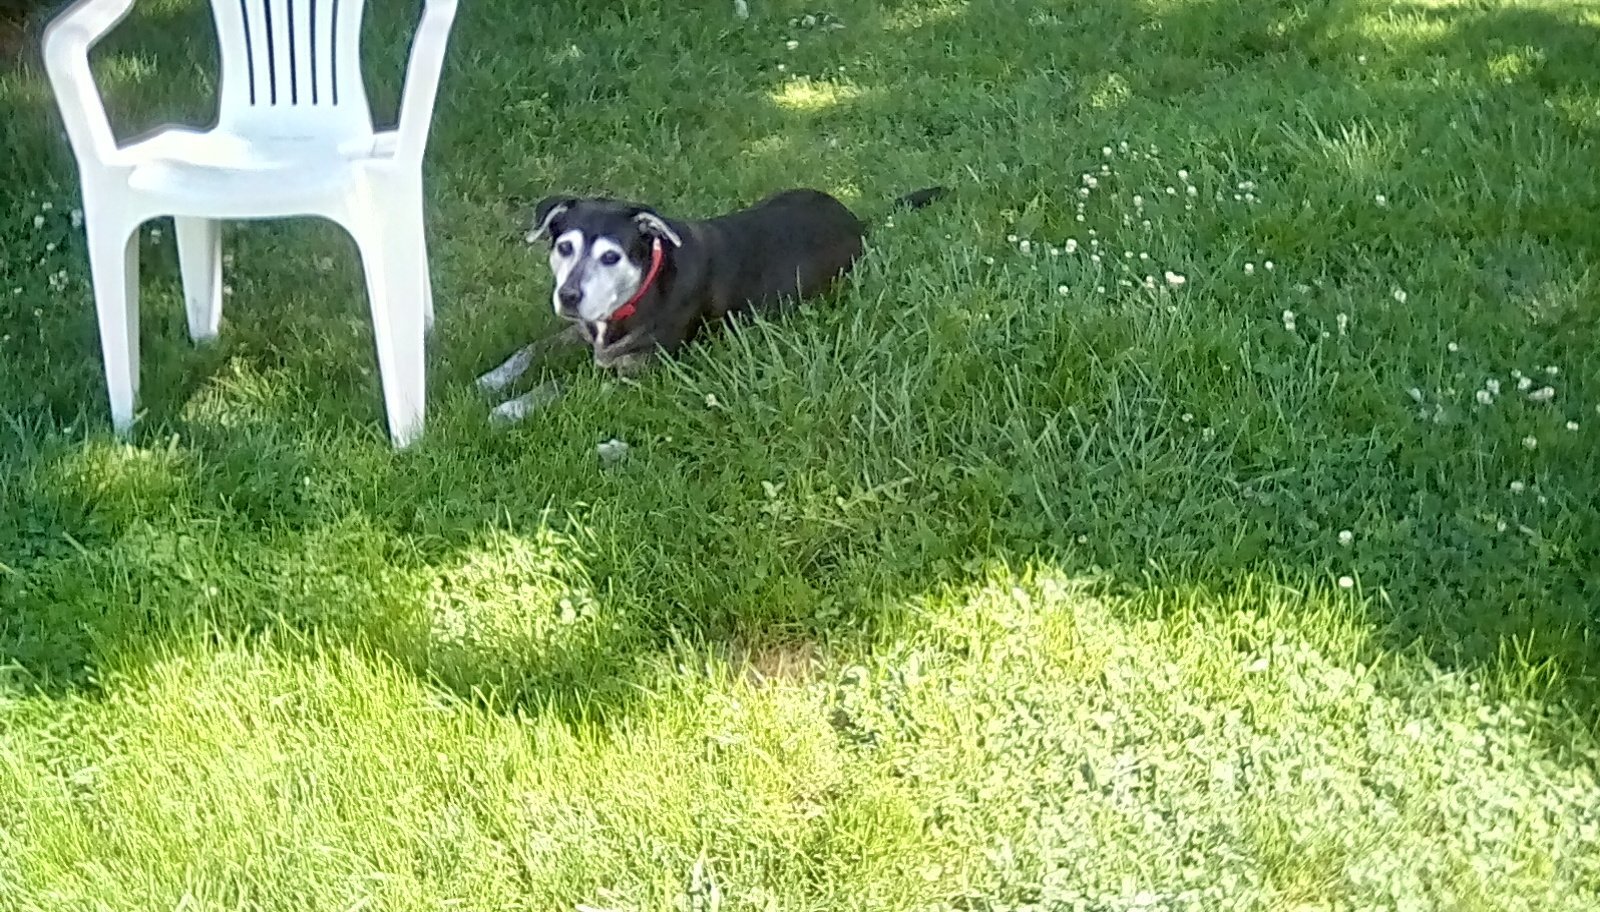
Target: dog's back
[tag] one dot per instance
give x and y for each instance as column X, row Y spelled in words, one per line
column 793, row 243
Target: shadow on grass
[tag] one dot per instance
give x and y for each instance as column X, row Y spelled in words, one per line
column 510, row 563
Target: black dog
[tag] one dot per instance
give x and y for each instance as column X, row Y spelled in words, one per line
column 633, row 284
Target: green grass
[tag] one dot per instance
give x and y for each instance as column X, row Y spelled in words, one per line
column 1000, row 582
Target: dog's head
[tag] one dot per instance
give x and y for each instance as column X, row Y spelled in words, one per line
column 599, row 252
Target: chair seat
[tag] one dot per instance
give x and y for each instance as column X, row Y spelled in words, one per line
column 220, row 174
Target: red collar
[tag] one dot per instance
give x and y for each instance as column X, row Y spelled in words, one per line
column 627, row 310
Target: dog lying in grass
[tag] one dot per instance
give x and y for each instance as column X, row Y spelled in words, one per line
column 632, row 284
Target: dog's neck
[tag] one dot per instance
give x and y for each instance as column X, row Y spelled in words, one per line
column 612, row 329
column 657, row 254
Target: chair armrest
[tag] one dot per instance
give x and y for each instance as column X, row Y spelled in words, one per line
column 67, row 42
column 422, row 78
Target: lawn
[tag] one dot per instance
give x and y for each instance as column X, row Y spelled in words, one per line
column 1196, row 510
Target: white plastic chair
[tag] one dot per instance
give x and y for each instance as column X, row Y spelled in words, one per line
column 293, row 137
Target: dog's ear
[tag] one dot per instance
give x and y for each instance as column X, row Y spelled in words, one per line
column 652, row 225
column 547, row 215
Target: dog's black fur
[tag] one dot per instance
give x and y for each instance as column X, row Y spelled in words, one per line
column 791, row 246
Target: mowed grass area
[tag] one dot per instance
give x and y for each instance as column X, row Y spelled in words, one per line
column 1197, row 510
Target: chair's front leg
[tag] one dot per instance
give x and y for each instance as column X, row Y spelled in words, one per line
column 114, row 272
column 200, row 263
column 388, row 246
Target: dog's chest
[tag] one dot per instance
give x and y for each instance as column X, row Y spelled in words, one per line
column 620, row 347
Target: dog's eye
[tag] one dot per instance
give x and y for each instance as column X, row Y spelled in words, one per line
column 610, row 258
column 564, row 248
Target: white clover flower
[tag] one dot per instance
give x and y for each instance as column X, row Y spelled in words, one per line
column 1025, row 246
column 1174, row 279
column 1400, row 295
column 1346, row 582
column 1381, row 200
column 1011, row 239
column 1524, row 383
column 1346, row 537
column 1531, row 442
column 1492, row 385
column 1452, row 348
column 1484, row 397
column 1249, row 269
column 1183, row 175
column 1062, row 290
column 1543, row 394
column 1552, row 370
column 1072, row 245
column 791, row 44
column 1192, row 190
column 1518, row 487
column 1572, row 425
column 38, row 221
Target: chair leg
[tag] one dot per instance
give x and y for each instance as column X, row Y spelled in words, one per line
column 395, row 291
column 427, row 290
column 200, row 263
column 114, row 274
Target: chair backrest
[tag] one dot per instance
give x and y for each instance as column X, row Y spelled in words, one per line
column 292, row 67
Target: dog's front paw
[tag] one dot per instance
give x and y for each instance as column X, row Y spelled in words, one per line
column 514, row 410
column 508, row 372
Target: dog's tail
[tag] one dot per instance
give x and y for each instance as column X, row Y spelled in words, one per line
column 919, row 198
column 916, row 199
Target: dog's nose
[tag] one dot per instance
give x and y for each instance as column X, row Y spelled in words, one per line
column 569, row 298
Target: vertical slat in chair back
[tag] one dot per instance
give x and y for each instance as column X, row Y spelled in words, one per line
column 292, row 65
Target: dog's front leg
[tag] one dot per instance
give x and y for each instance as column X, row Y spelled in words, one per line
column 514, row 410
column 518, row 364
